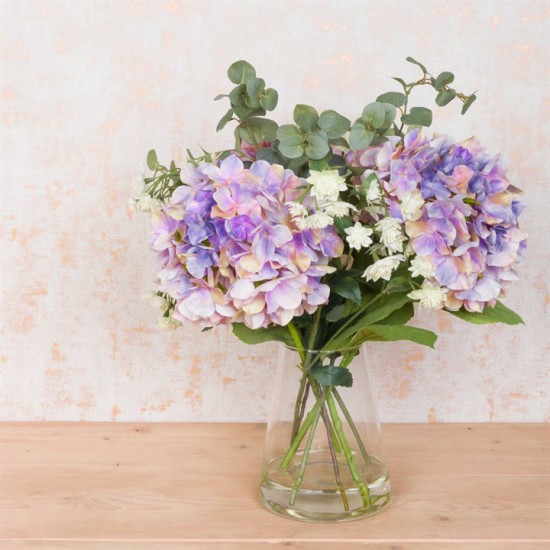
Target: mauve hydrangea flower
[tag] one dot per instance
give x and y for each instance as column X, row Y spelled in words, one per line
column 467, row 229
column 229, row 251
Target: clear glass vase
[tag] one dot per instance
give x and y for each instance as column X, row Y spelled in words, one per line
column 323, row 458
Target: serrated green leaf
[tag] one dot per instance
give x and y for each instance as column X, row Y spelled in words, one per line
column 419, row 116
column 240, row 71
column 270, row 99
column 444, row 97
column 498, row 314
column 332, row 376
column 360, row 137
column 224, row 120
column 347, row 287
column 333, row 124
column 415, row 62
column 443, row 79
column 394, row 98
column 152, row 162
column 468, row 103
column 305, row 117
column 260, row 335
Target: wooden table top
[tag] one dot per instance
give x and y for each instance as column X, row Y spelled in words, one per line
column 125, row 486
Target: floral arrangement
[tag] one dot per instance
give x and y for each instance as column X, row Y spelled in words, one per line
column 323, row 233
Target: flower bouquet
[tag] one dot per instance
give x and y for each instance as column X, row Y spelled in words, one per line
column 321, row 234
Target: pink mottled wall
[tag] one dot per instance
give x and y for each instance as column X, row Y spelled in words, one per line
column 88, row 87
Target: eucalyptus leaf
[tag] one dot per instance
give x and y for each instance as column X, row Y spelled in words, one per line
column 224, row 120
column 374, row 115
column 444, row 97
column 468, row 103
column 269, row 155
column 289, row 134
column 305, row 117
column 152, row 161
column 443, row 79
column 317, row 146
column 333, row 124
column 360, row 137
column 260, row 129
column 291, row 151
column 270, row 99
column 240, row 71
column 394, row 98
column 419, row 116
column 415, row 62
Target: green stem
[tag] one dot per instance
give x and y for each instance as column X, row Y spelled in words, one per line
column 303, row 463
column 297, row 340
column 355, row 475
column 300, row 405
column 313, row 413
column 352, row 425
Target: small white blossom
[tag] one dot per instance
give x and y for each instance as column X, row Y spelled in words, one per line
column 296, row 209
column 429, row 296
column 411, row 205
column 374, row 194
column 382, row 269
column 358, row 236
column 390, row 234
column 301, row 223
column 169, row 323
column 337, row 209
column 421, row 267
column 319, row 221
column 326, row 185
column 145, row 203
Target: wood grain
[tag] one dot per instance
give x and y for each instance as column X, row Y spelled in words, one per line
column 194, row 486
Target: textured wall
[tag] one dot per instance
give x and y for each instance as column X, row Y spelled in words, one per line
column 88, row 87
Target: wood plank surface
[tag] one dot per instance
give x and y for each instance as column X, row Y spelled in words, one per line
column 194, row 486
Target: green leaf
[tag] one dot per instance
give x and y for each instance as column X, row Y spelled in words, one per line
column 240, row 71
column 254, row 88
column 291, row 151
column 374, row 115
column 336, row 313
column 220, row 96
column 289, row 134
column 334, row 124
column 415, row 62
column 347, row 287
column 399, row 316
column 360, row 137
column 342, row 224
column 340, row 142
column 317, row 146
column 443, row 79
column 444, row 97
column 378, row 309
column 498, row 314
column 468, row 103
column 270, row 99
column 305, row 116
column 152, row 162
column 400, row 80
column 389, row 115
column 262, row 129
column 419, row 116
column 393, row 333
column 332, row 376
column 224, row 120
column 269, row 155
column 394, row 98
column 261, row 335
column 237, row 95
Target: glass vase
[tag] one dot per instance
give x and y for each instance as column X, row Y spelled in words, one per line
column 323, row 459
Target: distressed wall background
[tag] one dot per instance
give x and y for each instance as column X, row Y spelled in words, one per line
column 88, row 87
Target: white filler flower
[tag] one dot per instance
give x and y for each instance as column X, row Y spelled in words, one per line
column 374, row 194
column 326, row 186
column 382, row 269
column 422, row 267
column 390, row 234
column 319, row 221
column 358, row 236
column 337, row 209
column 296, row 209
column 429, row 296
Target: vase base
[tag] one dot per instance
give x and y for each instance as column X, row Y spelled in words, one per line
column 318, row 500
